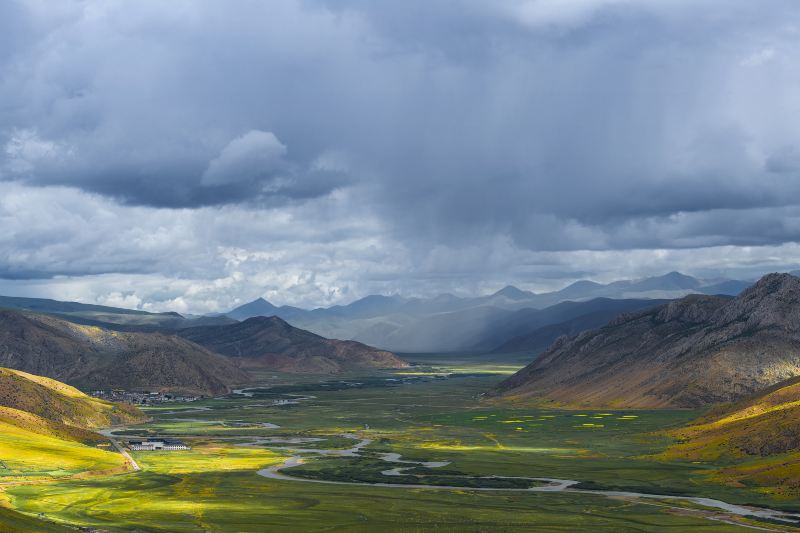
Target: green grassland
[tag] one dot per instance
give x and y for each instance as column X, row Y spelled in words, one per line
column 30, row 456
column 240, row 501
column 14, row 522
column 420, row 414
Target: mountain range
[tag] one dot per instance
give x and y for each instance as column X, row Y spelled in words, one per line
column 270, row 342
column 99, row 357
column 96, row 357
column 94, row 346
column 447, row 323
column 108, row 317
column 690, row 352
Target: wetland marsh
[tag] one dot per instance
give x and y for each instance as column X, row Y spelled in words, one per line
column 413, row 450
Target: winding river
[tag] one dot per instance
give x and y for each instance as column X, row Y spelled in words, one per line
column 545, row 484
column 714, row 509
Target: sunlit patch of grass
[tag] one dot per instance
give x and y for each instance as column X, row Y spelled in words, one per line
column 208, row 458
column 452, row 447
column 27, row 455
column 444, row 370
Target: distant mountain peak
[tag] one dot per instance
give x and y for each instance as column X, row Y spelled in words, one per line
column 513, row 293
column 258, row 307
column 677, row 276
column 261, row 301
column 670, row 281
column 379, row 298
column 583, row 283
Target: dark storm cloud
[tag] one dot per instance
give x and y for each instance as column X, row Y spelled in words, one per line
column 425, row 135
column 141, row 102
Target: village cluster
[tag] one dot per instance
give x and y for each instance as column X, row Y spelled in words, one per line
column 140, row 398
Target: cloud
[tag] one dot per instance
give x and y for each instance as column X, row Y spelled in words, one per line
column 88, row 248
column 785, row 160
column 315, row 150
column 25, row 150
column 252, row 157
column 569, row 13
column 758, row 57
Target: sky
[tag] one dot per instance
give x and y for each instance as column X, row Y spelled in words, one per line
column 191, row 156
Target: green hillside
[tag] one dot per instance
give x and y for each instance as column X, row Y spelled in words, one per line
column 758, row 436
column 58, row 402
column 45, row 434
column 35, row 449
column 17, row 522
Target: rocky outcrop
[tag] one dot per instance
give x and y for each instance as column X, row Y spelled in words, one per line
column 690, row 352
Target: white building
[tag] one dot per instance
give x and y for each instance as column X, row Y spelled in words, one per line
column 153, row 445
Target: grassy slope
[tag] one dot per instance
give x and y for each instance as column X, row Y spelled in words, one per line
column 55, row 401
column 759, row 437
column 44, row 437
column 48, row 428
column 14, row 522
column 36, row 449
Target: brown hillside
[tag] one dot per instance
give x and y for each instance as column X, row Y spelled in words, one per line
column 273, row 343
column 694, row 351
column 57, row 402
column 90, row 356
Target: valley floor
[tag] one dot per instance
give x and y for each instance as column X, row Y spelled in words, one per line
column 414, row 426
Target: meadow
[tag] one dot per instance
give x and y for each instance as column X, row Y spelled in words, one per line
column 27, row 457
column 433, row 412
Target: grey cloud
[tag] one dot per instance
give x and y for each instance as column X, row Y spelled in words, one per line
column 785, row 160
column 448, row 144
column 88, row 248
column 254, row 156
column 543, row 99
